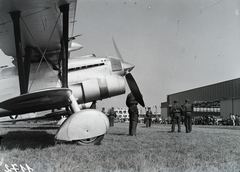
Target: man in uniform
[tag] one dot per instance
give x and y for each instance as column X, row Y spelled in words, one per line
column 111, row 115
column 187, row 110
column 133, row 114
column 149, row 117
column 176, row 111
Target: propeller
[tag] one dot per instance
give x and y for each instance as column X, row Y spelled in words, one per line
column 130, row 80
column 134, row 89
column 117, row 51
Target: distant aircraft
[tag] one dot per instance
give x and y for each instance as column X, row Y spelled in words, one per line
column 36, row 34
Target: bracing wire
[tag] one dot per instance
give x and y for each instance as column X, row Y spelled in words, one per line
column 42, row 52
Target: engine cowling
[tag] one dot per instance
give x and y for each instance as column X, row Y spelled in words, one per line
column 98, row 89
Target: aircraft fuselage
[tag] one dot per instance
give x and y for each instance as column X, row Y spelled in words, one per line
column 82, row 71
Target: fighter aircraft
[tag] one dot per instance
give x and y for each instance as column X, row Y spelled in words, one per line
column 36, row 34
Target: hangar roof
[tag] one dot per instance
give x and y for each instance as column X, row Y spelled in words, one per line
column 219, row 91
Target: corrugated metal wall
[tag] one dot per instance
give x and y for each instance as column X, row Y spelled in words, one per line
column 226, row 108
column 229, row 106
column 221, row 91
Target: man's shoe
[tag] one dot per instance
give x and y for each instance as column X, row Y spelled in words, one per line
column 133, row 135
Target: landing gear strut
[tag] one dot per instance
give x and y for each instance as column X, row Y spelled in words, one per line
column 86, row 126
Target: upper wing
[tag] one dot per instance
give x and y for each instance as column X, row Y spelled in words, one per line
column 43, row 26
column 37, row 23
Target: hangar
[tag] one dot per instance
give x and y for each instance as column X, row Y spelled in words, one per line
column 218, row 99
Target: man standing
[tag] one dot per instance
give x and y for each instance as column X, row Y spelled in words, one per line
column 149, row 117
column 187, row 110
column 176, row 111
column 133, row 114
column 233, row 119
column 111, row 115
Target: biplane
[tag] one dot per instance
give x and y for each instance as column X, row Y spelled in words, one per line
column 38, row 34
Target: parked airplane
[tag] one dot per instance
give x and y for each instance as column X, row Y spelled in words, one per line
column 36, row 34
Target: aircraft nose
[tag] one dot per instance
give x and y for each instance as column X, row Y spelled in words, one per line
column 127, row 66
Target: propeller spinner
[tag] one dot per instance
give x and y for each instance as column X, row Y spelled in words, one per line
column 130, row 80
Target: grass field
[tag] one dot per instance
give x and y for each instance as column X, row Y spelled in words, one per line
column 207, row 148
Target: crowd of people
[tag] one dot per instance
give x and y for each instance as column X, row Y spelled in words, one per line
column 233, row 120
column 207, row 120
column 179, row 114
column 176, row 114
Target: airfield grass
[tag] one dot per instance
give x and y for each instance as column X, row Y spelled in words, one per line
column 207, row 148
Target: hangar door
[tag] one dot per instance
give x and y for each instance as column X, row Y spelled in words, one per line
column 164, row 113
column 226, row 108
column 229, row 106
column 236, row 106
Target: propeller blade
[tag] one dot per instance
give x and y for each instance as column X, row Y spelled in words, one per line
column 130, row 80
column 117, row 51
column 134, row 89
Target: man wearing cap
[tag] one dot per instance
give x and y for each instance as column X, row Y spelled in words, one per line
column 149, row 117
column 187, row 108
column 111, row 115
column 176, row 111
column 133, row 114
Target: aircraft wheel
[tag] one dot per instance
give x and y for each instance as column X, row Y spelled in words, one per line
column 91, row 141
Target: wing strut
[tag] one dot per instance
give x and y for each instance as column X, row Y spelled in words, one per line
column 64, row 54
column 27, row 61
column 17, row 34
column 64, row 44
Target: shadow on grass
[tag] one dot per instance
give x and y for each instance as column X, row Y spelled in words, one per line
column 118, row 134
column 144, row 126
column 27, row 139
column 163, row 131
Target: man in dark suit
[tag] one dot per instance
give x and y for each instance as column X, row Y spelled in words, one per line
column 149, row 117
column 133, row 114
column 187, row 108
column 176, row 111
column 111, row 115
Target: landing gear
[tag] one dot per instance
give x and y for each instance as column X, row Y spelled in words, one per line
column 91, row 141
column 86, row 127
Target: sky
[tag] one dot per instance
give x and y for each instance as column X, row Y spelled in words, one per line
column 175, row 45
